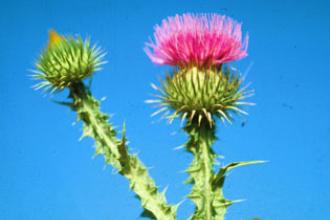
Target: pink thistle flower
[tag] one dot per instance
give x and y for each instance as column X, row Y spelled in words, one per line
column 197, row 40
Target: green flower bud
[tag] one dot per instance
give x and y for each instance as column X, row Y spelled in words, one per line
column 65, row 61
column 201, row 95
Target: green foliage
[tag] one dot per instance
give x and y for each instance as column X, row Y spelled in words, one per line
column 115, row 152
column 221, row 175
column 197, row 96
column 209, row 200
column 66, row 62
column 207, row 186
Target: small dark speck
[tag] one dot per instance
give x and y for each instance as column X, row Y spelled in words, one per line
column 295, row 46
column 297, row 85
column 243, row 124
column 54, row 153
column 285, row 105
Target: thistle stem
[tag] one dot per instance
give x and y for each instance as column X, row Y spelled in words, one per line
column 207, row 160
column 208, row 198
column 115, row 152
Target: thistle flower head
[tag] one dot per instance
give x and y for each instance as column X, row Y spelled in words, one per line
column 65, row 61
column 197, row 40
column 202, row 95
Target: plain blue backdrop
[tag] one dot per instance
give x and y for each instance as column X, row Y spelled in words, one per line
column 47, row 174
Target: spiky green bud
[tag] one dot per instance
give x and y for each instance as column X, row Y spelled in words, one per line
column 65, row 61
column 202, row 94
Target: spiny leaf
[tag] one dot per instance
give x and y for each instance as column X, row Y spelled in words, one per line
column 243, row 163
column 219, row 178
column 115, row 152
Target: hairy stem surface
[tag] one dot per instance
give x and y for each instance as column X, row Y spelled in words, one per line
column 115, row 152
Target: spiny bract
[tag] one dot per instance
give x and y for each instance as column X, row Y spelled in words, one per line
column 201, row 95
column 66, row 60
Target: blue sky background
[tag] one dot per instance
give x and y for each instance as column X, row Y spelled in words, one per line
column 45, row 173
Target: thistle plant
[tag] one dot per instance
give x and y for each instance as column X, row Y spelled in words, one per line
column 202, row 90
column 65, row 63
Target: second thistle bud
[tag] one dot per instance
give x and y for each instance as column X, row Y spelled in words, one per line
column 66, row 60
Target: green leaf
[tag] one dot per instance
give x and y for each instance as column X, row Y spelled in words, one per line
column 243, row 163
column 220, row 177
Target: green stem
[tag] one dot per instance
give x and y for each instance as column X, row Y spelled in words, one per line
column 207, row 161
column 208, row 198
column 115, row 152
